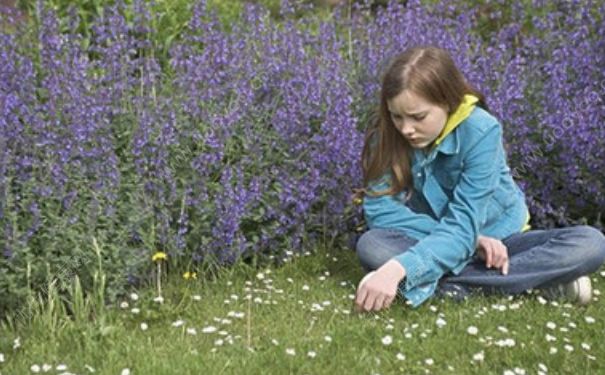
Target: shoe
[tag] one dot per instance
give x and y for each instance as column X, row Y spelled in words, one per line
column 455, row 292
column 365, row 278
column 577, row 291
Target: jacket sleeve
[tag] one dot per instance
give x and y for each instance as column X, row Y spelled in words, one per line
column 390, row 212
column 453, row 240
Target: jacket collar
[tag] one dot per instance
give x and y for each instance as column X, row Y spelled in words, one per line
column 451, row 145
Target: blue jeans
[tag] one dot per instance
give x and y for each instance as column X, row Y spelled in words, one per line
column 538, row 259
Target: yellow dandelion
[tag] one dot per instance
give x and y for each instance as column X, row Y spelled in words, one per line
column 160, row 255
column 357, row 201
column 190, row 275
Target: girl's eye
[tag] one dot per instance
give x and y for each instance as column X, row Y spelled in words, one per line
column 419, row 118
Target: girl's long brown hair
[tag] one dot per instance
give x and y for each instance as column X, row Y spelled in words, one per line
column 430, row 73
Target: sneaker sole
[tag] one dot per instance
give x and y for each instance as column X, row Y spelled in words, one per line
column 582, row 289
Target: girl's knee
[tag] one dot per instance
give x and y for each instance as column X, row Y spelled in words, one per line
column 363, row 247
column 377, row 246
column 592, row 244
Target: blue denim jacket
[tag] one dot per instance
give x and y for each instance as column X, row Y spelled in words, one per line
column 462, row 188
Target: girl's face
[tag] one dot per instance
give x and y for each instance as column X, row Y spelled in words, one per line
column 418, row 120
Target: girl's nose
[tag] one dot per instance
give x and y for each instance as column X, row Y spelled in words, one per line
column 407, row 129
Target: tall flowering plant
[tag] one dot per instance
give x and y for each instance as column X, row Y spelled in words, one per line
column 247, row 142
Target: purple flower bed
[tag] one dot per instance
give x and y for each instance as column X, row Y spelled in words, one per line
column 248, row 144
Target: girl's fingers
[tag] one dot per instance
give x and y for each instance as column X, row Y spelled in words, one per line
column 389, row 302
column 361, row 297
column 370, row 300
column 379, row 303
column 502, row 257
column 489, row 256
column 498, row 257
column 505, row 267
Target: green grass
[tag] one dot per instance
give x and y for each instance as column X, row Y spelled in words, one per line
column 282, row 313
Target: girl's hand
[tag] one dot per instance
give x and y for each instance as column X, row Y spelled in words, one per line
column 380, row 289
column 493, row 252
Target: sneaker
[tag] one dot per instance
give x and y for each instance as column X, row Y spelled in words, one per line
column 577, row 291
column 455, row 292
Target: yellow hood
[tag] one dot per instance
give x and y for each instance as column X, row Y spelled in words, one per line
column 462, row 112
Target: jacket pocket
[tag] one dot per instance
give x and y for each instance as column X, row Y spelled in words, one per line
column 447, row 171
column 500, row 202
column 503, row 197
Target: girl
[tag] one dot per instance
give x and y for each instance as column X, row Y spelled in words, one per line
column 438, row 187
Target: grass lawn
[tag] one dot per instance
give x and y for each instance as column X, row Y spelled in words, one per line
column 297, row 320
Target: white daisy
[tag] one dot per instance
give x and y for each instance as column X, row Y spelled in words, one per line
column 542, row 300
column 550, row 338
column 553, row 350
column 89, row 368
column 479, row 357
column 542, row 367
column 505, row 343
column 387, row 340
